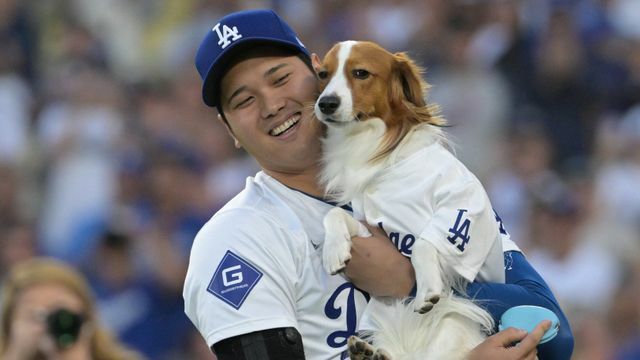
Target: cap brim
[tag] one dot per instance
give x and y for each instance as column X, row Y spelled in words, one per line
column 210, row 85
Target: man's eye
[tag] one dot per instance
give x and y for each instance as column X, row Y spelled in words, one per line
column 323, row 74
column 243, row 102
column 360, row 74
column 282, row 79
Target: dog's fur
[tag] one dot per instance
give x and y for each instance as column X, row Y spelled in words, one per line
column 382, row 118
column 449, row 331
column 395, row 95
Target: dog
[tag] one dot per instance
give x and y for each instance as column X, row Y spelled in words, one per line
column 385, row 153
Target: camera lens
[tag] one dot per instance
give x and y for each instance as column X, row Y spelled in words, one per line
column 64, row 326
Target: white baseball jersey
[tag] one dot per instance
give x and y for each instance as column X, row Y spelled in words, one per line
column 431, row 195
column 257, row 264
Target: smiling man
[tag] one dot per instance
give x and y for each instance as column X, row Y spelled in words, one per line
column 256, row 287
column 268, row 116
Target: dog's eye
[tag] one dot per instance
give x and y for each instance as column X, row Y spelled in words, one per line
column 360, row 74
column 322, row 74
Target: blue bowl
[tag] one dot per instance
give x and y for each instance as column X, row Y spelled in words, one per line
column 526, row 317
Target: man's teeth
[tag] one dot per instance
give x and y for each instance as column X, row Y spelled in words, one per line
column 286, row 125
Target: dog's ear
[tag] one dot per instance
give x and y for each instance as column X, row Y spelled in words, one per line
column 406, row 81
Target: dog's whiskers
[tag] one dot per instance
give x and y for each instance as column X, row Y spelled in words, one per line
column 360, row 115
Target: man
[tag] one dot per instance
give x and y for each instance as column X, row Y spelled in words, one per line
column 256, row 287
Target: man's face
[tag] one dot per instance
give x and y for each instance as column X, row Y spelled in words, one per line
column 268, row 103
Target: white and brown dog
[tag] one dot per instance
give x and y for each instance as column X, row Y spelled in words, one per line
column 386, row 154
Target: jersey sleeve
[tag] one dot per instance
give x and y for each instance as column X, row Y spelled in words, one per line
column 463, row 227
column 242, row 276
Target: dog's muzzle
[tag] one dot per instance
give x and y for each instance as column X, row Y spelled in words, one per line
column 328, row 104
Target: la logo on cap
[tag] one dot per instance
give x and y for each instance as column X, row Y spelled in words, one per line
column 227, row 32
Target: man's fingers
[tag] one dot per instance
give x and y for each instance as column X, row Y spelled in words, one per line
column 508, row 336
column 538, row 332
column 527, row 347
column 533, row 355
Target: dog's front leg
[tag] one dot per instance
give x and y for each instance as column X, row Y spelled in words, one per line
column 426, row 263
column 339, row 227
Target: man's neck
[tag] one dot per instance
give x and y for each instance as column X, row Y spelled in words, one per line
column 306, row 181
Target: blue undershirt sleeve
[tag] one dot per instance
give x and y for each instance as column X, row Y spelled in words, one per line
column 524, row 286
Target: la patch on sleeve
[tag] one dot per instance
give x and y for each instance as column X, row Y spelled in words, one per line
column 233, row 280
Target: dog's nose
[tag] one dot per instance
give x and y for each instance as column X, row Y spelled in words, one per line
column 328, row 104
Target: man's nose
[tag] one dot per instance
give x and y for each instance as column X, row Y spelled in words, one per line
column 328, row 104
column 272, row 105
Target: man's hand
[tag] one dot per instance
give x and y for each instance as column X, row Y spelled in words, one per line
column 377, row 267
column 500, row 346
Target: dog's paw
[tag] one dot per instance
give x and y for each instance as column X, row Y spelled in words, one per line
column 360, row 349
column 336, row 253
column 427, row 303
column 380, row 354
column 336, row 267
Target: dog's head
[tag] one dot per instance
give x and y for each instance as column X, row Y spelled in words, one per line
column 361, row 80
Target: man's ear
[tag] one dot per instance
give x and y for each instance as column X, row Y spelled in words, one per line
column 315, row 61
column 236, row 143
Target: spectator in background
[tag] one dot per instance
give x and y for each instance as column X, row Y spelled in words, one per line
column 18, row 38
column 140, row 309
column 33, row 291
column 383, row 19
column 618, row 180
column 176, row 209
column 582, row 273
column 16, row 96
column 480, row 121
column 506, row 44
column 18, row 244
column 16, row 102
column 562, row 92
column 79, row 133
column 616, row 199
column 624, row 317
column 527, row 158
column 9, row 193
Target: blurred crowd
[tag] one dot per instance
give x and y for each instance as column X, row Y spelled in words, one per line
column 110, row 162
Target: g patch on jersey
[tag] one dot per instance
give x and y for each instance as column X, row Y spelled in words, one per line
column 233, row 280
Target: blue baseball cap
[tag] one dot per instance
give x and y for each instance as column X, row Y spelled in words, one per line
column 233, row 33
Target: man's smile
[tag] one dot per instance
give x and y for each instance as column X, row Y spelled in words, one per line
column 286, row 126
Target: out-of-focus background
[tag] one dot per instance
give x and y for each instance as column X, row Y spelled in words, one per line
column 110, row 161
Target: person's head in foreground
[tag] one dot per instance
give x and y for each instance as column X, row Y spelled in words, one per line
column 48, row 312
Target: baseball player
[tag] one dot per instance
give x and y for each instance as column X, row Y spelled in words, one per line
column 255, row 283
column 255, row 287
